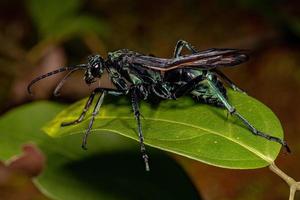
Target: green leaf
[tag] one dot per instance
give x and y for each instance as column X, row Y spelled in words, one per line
column 75, row 27
column 111, row 169
column 197, row 131
column 58, row 20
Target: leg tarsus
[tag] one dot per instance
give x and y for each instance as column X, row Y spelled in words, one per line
column 261, row 134
column 146, row 160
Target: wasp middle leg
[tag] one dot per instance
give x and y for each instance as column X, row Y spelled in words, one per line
column 135, row 98
column 188, row 87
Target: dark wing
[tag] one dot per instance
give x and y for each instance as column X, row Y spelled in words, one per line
column 208, row 59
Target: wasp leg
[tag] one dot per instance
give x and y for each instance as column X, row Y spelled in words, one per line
column 188, row 87
column 97, row 109
column 86, row 108
column 180, row 44
column 95, row 112
column 233, row 111
column 177, row 52
column 137, row 114
column 228, row 81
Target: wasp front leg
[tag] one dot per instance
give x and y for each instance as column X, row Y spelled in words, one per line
column 89, row 103
column 96, row 110
column 85, row 109
column 233, row 111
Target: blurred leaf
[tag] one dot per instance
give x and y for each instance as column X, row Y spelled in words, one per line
column 112, row 168
column 197, row 131
column 59, row 19
column 294, row 24
column 75, row 27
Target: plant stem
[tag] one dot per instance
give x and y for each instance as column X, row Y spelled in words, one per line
column 294, row 186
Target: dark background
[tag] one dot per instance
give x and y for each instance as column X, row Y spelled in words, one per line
column 39, row 36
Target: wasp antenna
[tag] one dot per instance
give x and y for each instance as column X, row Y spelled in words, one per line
column 44, row 76
column 81, row 66
column 61, row 83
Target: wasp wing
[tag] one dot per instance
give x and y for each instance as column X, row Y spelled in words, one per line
column 208, row 59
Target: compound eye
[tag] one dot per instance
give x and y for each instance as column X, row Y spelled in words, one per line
column 96, row 69
column 96, row 65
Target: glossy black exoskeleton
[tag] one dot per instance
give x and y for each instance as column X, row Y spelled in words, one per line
column 141, row 77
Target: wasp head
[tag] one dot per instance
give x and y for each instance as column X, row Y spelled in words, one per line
column 95, row 68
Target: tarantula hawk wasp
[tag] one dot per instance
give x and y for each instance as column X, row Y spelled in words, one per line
column 140, row 77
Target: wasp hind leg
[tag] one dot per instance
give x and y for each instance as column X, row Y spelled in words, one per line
column 177, row 52
column 233, row 111
column 229, row 82
column 180, row 44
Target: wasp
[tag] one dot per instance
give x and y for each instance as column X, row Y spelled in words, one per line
column 142, row 77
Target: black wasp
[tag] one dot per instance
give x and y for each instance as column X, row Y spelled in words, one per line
column 141, row 77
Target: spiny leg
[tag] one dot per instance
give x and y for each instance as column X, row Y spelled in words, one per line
column 86, row 108
column 180, row 44
column 187, row 87
column 233, row 111
column 137, row 114
column 228, row 81
column 97, row 108
column 95, row 112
